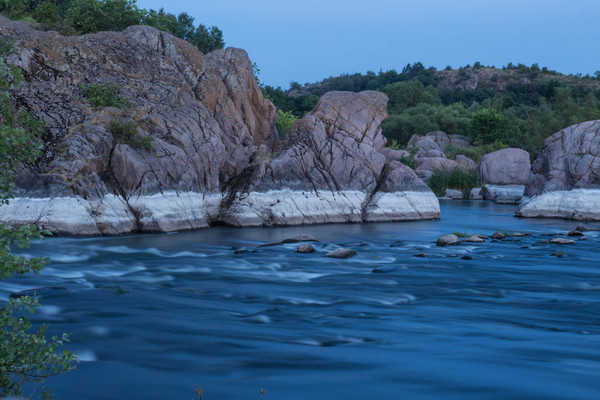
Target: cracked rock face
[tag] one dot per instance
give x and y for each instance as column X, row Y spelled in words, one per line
column 565, row 177
column 215, row 153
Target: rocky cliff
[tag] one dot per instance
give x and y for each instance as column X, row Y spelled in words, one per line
column 565, row 178
column 214, row 153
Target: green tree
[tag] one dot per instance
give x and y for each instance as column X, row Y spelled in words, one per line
column 25, row 355
column 284, row 122
column 489, row 126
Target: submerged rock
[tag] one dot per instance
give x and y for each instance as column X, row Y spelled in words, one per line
column 474, row 239
column 562, row 241
column 447, row 240
column 341, row 253
column 574, row 233
column 305, row 248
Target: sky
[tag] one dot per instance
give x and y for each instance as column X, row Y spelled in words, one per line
column 310, row 40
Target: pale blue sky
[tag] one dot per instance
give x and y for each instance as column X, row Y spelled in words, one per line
column 306, row 41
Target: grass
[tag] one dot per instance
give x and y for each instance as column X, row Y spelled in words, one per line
column 455, row 179
column 126, row 132
column 105, row 95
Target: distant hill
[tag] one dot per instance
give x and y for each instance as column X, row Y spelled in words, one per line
column 536, row 102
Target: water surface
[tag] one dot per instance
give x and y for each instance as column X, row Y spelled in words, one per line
column 150, row 316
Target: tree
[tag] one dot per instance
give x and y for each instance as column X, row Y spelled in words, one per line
column 25, row 356
column 489, row 126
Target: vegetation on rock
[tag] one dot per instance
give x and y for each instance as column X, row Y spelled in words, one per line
column 105, row 95
column 126, row 132
column 91, row 16
column 455, row 179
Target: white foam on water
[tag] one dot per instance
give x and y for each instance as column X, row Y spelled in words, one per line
column 60, row 273
column 99, row 330
column 69, row 258
column 291, row 276
column 393, row 301
column 86, row 356
column 49, row 309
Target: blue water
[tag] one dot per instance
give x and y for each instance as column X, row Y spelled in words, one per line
column 150, row 316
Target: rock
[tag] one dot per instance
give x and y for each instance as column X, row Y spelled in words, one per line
column 300, row 238
column 447, row 240
column 505, row 167
column 519, row 234
column 332, row 171
column 215, row 155
column 452, row 255
column 562, row 241
column 426, row 166
column 341, row 253
column 565, row 177
column 476, row 194
column 453, row 194
column 421, row 255
column 507, row 194
column 465, row 163
column 394, row 155
column 305, row 248
column 467, row 257
column 574, row 233
column 460, row 141
column 498, row 236
column 474, row 239
column 241, row 250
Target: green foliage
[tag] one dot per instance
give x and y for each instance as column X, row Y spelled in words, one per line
column 284, row 122
column 104, row 95
column 126, row 132
column 25, row 355
column 489, row 126
column 474, row 152
column 403, row 95
column 182, row 26
column 455, row 179
column 394, row 145
column 46, row 13
column 409, row 160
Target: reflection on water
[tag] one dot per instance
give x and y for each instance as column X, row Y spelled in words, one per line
column 151, row 316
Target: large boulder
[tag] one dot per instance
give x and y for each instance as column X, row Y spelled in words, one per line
column 565, row 177
column 333, row 170
column 505, row 167
column 214, row 147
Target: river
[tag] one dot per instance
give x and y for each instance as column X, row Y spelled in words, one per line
column 152, row 315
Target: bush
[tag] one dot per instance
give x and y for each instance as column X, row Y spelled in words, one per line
column 284, row 122
column 126, row 133
column 105, row 95
column 455, row 179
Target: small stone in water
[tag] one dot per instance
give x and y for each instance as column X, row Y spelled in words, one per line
column 420, row 255
column 498, row 236
column 300, row 238
column 466, row 257
column 562, row 241
column 447, row 240
column 341, row 253
column 575, row 233
column 305, row 248
column 474, row 239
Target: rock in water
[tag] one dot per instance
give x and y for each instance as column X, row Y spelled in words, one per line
column 574, row 233
column 498, row 236
column 453, row 194
column 447, row 240
column 215, row 155
column 474, row 239
column 565, row 180
column 562, row 241
column 305, row 248
column 341, row 253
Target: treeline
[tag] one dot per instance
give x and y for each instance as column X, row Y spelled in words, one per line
column 517, row 106
column 74, row 17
